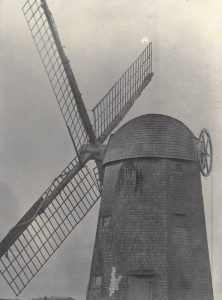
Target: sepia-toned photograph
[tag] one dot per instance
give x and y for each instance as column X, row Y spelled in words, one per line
column 110, row 150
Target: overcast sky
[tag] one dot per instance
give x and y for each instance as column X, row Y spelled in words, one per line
column 102, row 38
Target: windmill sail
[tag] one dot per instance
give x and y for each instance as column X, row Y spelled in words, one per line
column 46, row 38
column 41, row 231
column 108, row 113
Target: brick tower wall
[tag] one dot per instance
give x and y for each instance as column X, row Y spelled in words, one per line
column 151, row 236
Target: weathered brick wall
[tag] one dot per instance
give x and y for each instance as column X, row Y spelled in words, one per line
column 152, row 223
column 188, row 273
column 134, row 240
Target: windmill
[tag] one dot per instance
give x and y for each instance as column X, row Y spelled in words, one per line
column 39, row 233
column 154, row 249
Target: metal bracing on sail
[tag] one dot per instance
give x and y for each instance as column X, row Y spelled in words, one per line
column 46, row 38
column 34, row 239
column 116, row 103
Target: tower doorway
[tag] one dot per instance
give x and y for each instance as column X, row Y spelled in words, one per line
column 140, row 288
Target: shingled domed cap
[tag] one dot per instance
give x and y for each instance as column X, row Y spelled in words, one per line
column 152, row 136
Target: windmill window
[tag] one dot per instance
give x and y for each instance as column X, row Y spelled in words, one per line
column 97, row 281
column 176, row 166
column 180, row 241
column 181, row 233
column 179, row 167
column 105, row 221
column 180, row 220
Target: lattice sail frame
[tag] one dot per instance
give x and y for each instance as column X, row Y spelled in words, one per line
column 119, row 99
column 30, row 244
column 47, row 229
column 56, row 64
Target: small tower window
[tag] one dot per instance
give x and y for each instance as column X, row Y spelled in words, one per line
column 105, row 221
column 97, row 281
column 179, row 166
column 176, row 166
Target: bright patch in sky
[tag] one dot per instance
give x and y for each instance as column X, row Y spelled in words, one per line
column 145, row 40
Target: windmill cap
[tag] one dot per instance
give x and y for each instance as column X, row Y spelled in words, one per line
column 152, row 135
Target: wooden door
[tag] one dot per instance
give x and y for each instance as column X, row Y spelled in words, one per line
column 140, row 288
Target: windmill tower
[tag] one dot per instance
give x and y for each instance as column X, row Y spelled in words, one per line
column 40, row 232
column 151, row 238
